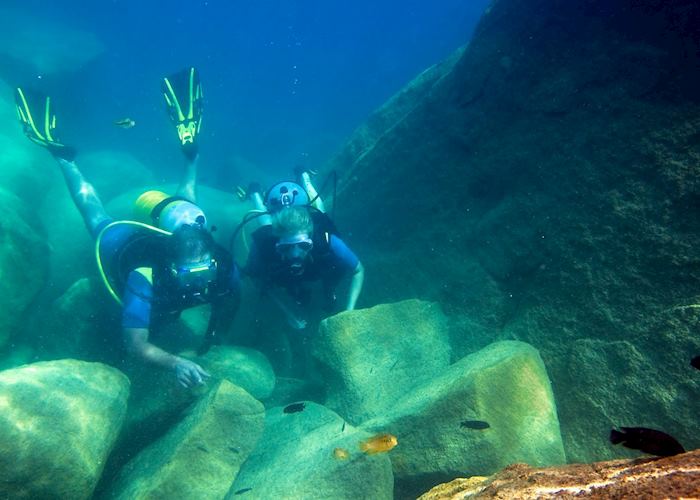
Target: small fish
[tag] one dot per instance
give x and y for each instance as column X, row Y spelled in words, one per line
column 243, row 490
column 380, row 443
column 343, row 428
column 341, row 454
column 125, row 123
column 294, row 408
column 646, row 440
column 695, row 362
column 474, row 424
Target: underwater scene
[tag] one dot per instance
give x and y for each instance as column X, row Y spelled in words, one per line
column 375, row 250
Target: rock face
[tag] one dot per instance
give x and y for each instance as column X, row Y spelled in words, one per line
column 58, row 423
column 488, row 410
column 23, row 268
column 555, row 172
column 672, row 477
column 200, row 457
column 295, row 459
column 371, row 357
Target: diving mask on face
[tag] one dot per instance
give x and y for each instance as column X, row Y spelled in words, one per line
column 294, row 251
column 194, row 279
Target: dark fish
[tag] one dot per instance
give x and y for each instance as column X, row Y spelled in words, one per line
column 646, row 440
column 294, row 408
column 241, row 491
column 474, row 424
column 125, row 123
column 695, row 362
column 343, row 429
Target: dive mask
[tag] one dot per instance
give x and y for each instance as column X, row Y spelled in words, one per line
column 194, row 279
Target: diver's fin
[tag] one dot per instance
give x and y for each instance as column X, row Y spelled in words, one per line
column 38, row 121
column 184, row 99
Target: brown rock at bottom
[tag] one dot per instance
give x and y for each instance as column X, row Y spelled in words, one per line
column 676, row 477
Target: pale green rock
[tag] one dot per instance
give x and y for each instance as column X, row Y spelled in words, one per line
column 244, row 367
column 200, row 457
column 295, row 459
column 58, row 423
column 371, row 357
column 505, row 385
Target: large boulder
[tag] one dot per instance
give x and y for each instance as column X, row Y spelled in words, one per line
column 23, row 262
column 43, row 45
column 58, row 423
column 296, row 458
column 200, row 457
column 82, row 323
column 247, row 368
column 371, row 357
column 555, row 190
column 488, row 410
column 114, row 172
column 667, row 477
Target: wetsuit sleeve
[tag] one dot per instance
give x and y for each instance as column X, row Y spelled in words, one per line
column 136, row 311
column 343, row 258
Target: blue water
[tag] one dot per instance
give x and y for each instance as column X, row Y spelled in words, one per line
column 286, row 82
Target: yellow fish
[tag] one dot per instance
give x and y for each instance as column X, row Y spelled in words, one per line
column 125, row 123
column 341, row 454
column 380, row 443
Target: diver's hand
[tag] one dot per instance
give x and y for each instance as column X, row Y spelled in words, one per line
column 296, row 323
column 189, row 373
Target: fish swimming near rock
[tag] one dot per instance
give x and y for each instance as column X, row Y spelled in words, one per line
column 695, row 362
column 341, row 454
column 125, row 123
column 242, row 490
column 646, row 440
column 294, row 408
column 474, row 424
column 381, row 443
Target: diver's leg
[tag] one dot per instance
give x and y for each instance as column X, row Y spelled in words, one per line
column 305, row 181
column 84, row 196
column 188, row 183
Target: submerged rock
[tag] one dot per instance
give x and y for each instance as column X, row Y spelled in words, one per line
column 200, row 457
column 488, row 410
column 23, row 263
column 372, row 357
column 297, row 458
column 44, row 45
column 58, row 423
column 672, row 477
column 244, row 367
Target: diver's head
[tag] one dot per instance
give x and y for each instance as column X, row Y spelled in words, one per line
column 189, row 257
column 293, row 228
column 285, row 195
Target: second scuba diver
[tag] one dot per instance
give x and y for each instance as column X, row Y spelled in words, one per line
column 165, row 263
column 296, row 245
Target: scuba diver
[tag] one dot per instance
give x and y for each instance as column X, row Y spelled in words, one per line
column 297, row 244
column 166, row 260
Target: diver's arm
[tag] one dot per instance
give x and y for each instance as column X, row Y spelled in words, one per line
column 188, row 183
column 187, row 372
column 358, row 278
